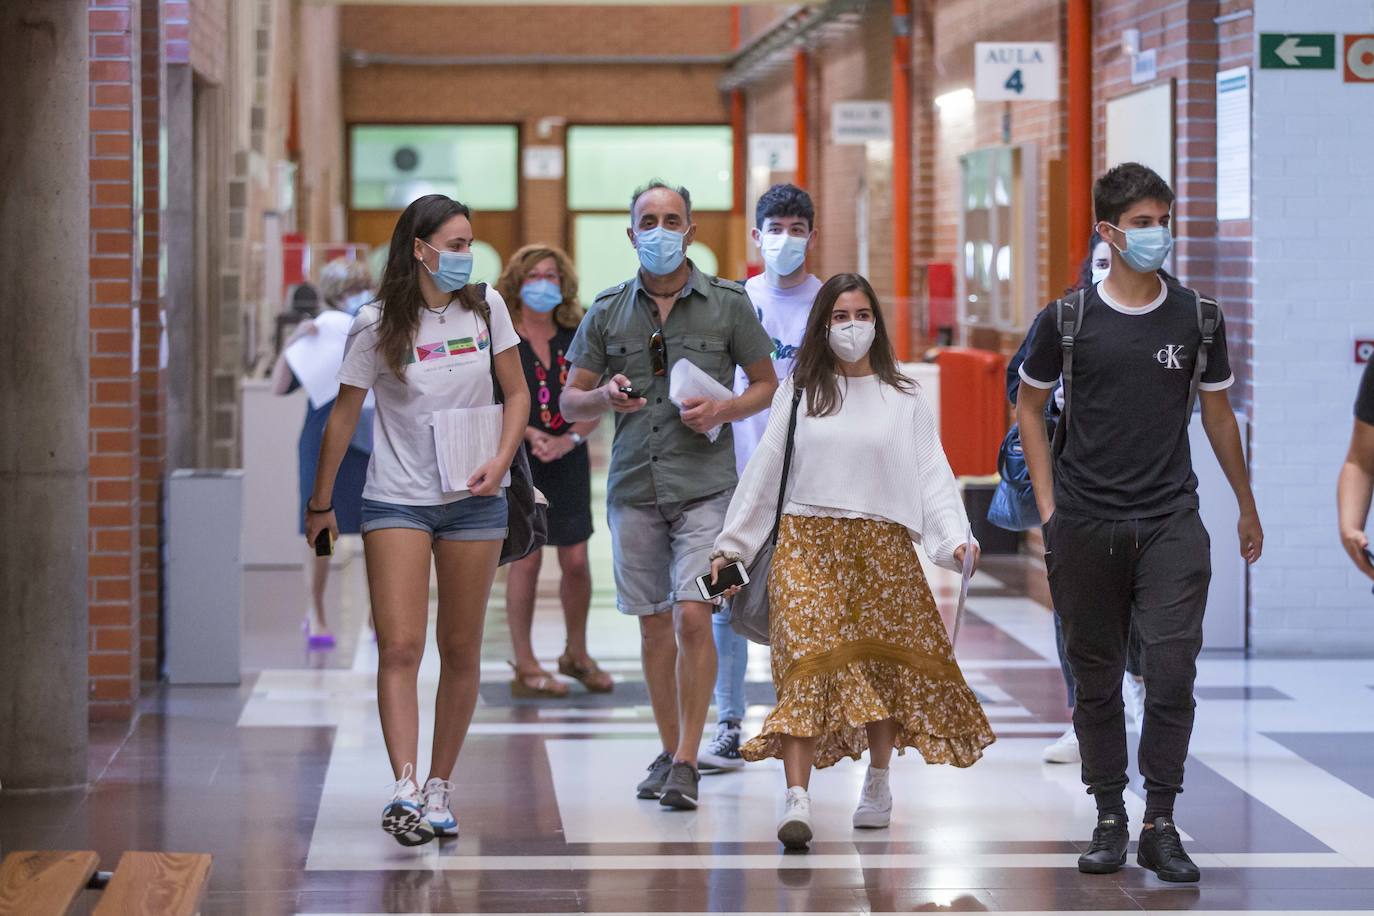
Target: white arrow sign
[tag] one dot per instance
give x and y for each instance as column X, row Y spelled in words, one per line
column 1292, row 50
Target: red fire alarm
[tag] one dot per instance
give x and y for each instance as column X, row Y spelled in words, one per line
column 1364, row 351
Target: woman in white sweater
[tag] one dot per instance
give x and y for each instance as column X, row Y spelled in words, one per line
column 860, row 655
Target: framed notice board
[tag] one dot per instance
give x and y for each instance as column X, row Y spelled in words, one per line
column 1140, row 128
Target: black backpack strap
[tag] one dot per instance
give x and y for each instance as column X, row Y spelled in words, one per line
column 1208, row 320
column 786, row 465
column 1068, row 319
column 497, row 396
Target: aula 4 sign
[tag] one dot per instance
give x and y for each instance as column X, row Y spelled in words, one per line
column 1015, row 71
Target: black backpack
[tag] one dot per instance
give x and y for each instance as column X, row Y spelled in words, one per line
column 1069, row 319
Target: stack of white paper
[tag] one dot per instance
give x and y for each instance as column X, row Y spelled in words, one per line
column 464, row 440
column 687, row 380
column 315, row 358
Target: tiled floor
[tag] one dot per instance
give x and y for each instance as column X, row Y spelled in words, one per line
column 282, row 780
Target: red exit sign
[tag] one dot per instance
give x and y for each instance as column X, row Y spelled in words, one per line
column 1364, row 351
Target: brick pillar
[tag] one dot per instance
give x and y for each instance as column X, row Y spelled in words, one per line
column 152, row 406
column 116, row 166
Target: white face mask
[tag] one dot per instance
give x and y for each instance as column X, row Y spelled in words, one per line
column 852, row 340
column 1100, row 274
column 783, row 254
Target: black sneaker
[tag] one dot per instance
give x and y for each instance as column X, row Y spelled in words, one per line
column 652, row 786
column 722, row 753
column 1107, row 852
column 680, row 791
column 1161, row 851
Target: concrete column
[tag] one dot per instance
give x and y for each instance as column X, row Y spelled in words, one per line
column 179, row 229
column 44, row 238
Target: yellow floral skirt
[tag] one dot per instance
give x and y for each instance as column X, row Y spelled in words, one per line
column 857, row 638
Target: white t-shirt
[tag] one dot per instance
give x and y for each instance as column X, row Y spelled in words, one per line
column 784, row 313
column 450, row 366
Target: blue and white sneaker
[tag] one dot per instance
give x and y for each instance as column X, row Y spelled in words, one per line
column 404, row 817
column 437, row 811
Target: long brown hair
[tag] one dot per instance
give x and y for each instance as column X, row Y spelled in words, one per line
column 569, row 312
column 815, row 371
column 400, row 293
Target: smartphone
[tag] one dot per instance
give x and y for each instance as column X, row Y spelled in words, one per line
column 630, row 392
column 730, row 576
column 324, row 544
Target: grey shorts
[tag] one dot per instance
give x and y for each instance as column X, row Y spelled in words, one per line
column 660, row 550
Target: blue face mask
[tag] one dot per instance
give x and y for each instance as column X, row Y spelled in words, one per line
column 454, row 269
column 660, row 250
column 541, row 295
column 352, row 303
column 1146, row 249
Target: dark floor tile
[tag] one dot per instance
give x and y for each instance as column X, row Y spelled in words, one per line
column 1349, row 756
column 1245, row 692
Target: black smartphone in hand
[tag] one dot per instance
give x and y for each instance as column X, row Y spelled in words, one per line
column 324, row 544
column 630, row 392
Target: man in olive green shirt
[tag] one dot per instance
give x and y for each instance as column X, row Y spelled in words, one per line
column 669, row 484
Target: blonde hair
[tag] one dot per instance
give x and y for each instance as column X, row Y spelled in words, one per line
column 569, row 312
column 340, row 277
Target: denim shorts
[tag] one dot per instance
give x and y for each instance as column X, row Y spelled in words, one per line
column 477, row 518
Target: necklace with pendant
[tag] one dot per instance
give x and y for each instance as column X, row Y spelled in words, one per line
column 439, row 313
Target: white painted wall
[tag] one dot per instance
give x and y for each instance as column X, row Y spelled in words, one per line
column 1314, row 294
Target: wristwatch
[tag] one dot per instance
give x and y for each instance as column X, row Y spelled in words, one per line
column 577, row 439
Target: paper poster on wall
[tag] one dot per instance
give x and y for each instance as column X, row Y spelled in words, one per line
column 1233, row 144
column 543, row 162
column 1140, row 128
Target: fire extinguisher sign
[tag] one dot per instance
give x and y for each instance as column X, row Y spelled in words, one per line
column 1364, row 351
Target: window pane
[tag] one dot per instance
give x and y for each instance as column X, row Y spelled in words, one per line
column 607, row 164
column 393, row 165
column 604, row 256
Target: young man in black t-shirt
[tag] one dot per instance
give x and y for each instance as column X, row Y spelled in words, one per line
column 1356, row 482
column 1123, row 538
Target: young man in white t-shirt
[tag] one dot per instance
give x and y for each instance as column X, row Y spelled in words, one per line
column 785, row 231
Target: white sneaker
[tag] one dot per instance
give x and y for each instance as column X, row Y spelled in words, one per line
column 794, row 830
column 1065, row 750
column 437, row 811
column 1133, row 692
column 403, row 817
column 875, row 802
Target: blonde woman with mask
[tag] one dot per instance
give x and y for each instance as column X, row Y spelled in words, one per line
column 861, row 660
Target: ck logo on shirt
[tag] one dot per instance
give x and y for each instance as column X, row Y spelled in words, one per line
column 1168, row 356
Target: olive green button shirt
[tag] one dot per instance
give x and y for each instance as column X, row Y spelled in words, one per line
column 656, row 458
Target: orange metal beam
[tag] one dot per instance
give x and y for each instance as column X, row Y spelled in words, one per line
column 739, row 260
column 901, row 177
column 800, row 122
column 1080, row 134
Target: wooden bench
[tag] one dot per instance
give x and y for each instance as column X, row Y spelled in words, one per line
column 143, row 884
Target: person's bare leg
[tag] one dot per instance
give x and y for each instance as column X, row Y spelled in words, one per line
column 658, row 652
column 522, row 583
column 398, row 581
column 465, row 570
column 319, row 580
column 575, row 590
column 696, row 674
column 798, row 754
column 881, row 737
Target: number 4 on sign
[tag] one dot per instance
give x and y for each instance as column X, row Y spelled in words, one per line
column 1014, row 83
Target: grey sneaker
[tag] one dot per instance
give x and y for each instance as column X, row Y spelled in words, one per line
column 652, row 786
column 680, row 791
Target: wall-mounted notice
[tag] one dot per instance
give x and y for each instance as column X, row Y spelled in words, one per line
column 856, row 123
column 1233, row 143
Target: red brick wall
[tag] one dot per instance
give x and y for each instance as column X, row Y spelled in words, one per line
column 152, row 393
column 1191, row 48
column 116, row 166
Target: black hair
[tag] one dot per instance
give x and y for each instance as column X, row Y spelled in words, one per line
column 785, row 200
column 653, row 185
column 1126, row 185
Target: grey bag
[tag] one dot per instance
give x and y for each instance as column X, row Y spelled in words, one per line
column 749, row 609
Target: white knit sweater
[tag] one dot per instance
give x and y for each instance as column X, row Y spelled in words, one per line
column 878, row 456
